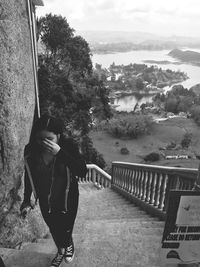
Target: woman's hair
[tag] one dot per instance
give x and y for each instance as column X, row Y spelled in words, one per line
column 48, row 123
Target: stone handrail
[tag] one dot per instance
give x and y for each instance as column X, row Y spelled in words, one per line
column 149, row 185
column 98, row 176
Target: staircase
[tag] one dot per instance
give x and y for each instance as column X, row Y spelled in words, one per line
column 109, row 231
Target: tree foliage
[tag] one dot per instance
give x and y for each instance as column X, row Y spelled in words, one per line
column 68, row 88
column 129, row 125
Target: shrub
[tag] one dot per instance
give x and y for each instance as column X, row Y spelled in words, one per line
column 90, row 154
column 171, row 104
column 195, row 111
column 154, row 156
column 129, row 125
column 186, row 141
column 124, row 151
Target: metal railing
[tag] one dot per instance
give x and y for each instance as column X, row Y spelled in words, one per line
column 149, row 185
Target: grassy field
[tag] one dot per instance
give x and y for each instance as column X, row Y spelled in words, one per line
column 162, row 134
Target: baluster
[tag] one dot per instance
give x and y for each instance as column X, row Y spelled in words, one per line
column 113, row 175
column 98, row 177
column 116, row 170
column 104, row 182
column 162, row 190
column 148, row 188
column 157, row 195
column 142, row 176
column 177, row 184
column 88, row 177
column 121, row 178
column 128, row 180
column 169, row 186
column 117, row 176
column 132, row 181
column 185, row 184
column 88, row 173
column 125, row 179
column 153, row 184
column 107, row 183
column 135, row 183
column 181, row 184
column 144, row 186
column 138, row 183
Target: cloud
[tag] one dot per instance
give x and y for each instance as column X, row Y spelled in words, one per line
column 166, row 11
column 136, row 15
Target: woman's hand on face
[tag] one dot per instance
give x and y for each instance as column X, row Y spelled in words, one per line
column 52, row 147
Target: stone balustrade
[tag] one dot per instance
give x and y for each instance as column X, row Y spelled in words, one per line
column 97, row 176
column 148, row 185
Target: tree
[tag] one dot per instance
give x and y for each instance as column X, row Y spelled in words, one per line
column 171, row 104
column 54, row 32
column 196, row 113
column 68, row 89
column 185, row 104
column 186, row 141
column 63, row 50
column 139, row 84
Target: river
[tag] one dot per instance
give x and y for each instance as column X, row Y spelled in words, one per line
column 127, row 103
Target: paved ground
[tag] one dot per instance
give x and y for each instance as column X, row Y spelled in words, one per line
column 109, row 232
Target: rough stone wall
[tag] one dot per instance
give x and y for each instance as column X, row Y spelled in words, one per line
column 17, row 100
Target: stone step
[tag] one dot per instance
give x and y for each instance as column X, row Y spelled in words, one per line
column 143, row 222
column 109, row 231
column 100, row 253
column 119, row 216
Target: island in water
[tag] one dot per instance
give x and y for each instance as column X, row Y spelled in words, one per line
column 140, row 79
column 187, row 56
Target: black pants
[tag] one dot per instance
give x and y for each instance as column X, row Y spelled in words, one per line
column 1, row 263
column 61, row 224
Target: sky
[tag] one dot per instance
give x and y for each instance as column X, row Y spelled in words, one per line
column 162, row 17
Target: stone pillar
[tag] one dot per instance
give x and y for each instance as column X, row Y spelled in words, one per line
column 17, row 99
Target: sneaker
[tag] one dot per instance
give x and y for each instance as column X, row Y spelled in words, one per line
column 69, row 253
column 56, row 262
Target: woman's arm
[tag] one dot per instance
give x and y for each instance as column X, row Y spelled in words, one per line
column 70, row 155
column 27, row 185
column 27, row 188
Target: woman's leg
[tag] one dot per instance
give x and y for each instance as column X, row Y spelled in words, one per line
column 61, row 224
column 72, row 206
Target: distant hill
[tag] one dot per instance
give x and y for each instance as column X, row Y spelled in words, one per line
column 135, row 37
column 186, row 56
column 121, row 41
column 106, row 37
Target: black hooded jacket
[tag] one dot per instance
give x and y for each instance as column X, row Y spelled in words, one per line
column 68, row 165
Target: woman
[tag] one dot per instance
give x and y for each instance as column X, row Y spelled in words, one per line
column 53, row 164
